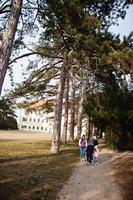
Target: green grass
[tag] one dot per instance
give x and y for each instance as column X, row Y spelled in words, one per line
column 124, row 175
column 29, row 172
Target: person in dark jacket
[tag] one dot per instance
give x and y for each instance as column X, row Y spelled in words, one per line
column 89, row 152
column 94, row 141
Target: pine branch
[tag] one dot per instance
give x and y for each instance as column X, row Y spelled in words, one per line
column 35, row 53
column 4, row 6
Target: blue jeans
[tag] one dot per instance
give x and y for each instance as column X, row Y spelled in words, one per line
column 82, row 152
column 95, row 159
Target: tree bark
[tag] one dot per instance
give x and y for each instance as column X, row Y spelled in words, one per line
column 72, row 105
column 8, row 38
column 58, row 111
column 64, row 134
column 80, row 111
column 89, row 128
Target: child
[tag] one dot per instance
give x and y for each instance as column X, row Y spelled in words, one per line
column 95, row 155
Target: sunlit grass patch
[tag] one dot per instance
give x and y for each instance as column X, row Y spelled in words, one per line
column 124, row 175
column 28, row 170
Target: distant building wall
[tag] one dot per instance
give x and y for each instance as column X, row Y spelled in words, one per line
column 37, row 120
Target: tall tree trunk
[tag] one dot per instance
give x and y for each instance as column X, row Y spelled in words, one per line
column 64, row 135
column 58, row 111
column 80, row 111
column 89, row 128
column 8, row 38
column 72, row 105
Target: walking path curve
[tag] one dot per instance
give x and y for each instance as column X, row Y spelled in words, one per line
column 93, row 182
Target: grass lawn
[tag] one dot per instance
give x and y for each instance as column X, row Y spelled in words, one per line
column 29, row 172
column 124, row 175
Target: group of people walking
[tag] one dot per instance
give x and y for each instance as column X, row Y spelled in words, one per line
column 89, row 149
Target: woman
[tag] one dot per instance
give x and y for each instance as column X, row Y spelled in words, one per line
column 82, row 145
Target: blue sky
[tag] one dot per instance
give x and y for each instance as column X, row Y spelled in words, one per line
column 126, row 25
column 124, row 28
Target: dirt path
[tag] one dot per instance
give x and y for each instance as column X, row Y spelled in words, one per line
column 93, row 182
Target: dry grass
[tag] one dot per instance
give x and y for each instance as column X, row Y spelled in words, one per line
column 124, row 175
column 24, row 135
column 29, row 172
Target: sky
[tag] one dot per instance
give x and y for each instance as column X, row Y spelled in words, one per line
column 126, row 25
column 124, row 28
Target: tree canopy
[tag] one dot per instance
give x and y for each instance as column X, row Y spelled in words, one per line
column 76, row 41
column 7, row 115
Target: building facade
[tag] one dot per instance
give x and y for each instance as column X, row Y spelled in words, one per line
column 38, row 120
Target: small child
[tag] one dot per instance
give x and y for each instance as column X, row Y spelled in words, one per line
column 95, row 155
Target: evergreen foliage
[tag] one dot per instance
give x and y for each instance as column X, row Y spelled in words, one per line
column 7, row 115
column 73, row 28
column 111, row 110
column 75, row 36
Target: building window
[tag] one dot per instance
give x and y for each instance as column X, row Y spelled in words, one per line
column 34, row 120
column 46, row 119
column 45, row 129
column 41, row 128
column 23, row 126
column 38, row 120
column 33, row 127
column 24, row 119
column 29, row 127
column 30, row 119
column 42, row 120
column 37, row 127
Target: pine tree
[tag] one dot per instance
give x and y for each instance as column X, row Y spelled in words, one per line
column 76, row 31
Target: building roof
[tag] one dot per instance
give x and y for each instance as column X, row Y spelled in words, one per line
column 41, row 104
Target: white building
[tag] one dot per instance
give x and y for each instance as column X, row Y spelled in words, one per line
column 38, row 120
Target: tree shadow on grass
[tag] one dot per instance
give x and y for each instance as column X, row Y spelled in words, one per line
column 35, row 177
column 42, row 155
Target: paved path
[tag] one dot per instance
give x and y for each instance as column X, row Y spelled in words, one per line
column 93, row 182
